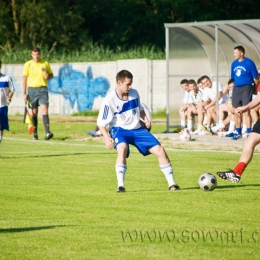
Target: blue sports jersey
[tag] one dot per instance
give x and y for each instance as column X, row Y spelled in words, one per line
column 243, row 72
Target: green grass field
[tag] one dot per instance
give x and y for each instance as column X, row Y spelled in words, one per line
column 58, row 201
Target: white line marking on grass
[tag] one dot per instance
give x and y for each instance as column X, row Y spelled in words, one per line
column 102, row 146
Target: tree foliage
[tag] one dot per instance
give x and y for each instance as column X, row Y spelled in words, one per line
column 72, row 24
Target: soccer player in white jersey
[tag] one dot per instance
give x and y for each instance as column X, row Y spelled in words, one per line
column 6, row 93
column 121, row 111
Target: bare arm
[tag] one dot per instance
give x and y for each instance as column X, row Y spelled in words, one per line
column 25, row 88
column 109, row 142
column 252, row 104
column 145, row 119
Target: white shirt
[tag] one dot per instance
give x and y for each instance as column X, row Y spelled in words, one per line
column 6, row 86
column 116, row 112
column 195, row 99
column 186, row 98
column 210, row 93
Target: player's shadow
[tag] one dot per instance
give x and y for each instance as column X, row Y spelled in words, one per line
column 219, row 187
column 237, row 186
column 28, row 229
column 53, row 155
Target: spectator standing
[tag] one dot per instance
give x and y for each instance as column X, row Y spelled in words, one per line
column 245, row 75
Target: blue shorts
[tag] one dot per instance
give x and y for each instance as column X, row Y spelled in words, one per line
column 4, row 118
column 140, row 138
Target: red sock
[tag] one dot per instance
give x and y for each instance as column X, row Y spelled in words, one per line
column 239, row 169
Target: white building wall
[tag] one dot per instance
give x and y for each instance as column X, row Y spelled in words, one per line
column 149, row 80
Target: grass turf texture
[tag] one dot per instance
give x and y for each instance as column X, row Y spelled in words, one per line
column 58, row 201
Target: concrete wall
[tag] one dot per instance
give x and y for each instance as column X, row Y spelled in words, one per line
column 82, row 86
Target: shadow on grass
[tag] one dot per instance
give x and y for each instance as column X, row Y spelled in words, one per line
column 53, row 155
column 27, row 229
column 223, row 187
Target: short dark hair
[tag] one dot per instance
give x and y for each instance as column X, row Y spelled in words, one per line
column 36, row 49
column 240, row 48
column 192, row 81
column 184, row 81
column 199, row 80
column 121, row 75
column 204, row 77
column 230, row 81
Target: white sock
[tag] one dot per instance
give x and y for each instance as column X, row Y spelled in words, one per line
column 232, row 126
column 244, row 128
column 205, row 120
column 190, row 125
column 199, row 127
column 168, row 172
column 1, row 137
column 218, row 127
column 182, row 123
column 120, row 173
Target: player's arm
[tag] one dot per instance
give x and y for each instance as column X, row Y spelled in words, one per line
column 48, row 74
column 25, row 88
column 252, row 104
column 145, row 119
column 256, row 81
column 109, row 142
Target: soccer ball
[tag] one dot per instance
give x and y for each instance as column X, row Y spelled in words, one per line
column 185, row 135
column 207, row 182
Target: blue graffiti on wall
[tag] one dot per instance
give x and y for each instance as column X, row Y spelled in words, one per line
column 76, row 87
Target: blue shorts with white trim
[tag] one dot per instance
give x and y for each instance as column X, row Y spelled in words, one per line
column 140, row 138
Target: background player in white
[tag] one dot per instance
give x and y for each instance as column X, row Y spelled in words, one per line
column 121, row 110
column 6, row 93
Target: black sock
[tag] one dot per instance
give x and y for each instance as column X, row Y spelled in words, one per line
column 35, row 124
column 46, row 122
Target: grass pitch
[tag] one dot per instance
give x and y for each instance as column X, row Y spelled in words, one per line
column 58, row 201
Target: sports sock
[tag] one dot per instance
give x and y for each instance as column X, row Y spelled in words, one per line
column 1, row 137
column 231, row 126
column 239, row 169
column 120, row 173
column 35, row 124
column 218, row 127
column 46, row 122
column 190, row 125
column 168, row 172
column 239, row 130
column 243, row 129
column 182, row 123
column 248, row 130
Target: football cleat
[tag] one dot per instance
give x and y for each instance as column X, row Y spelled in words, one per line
column 120, row 189
column 35, row 137
column 236, row 136
column 174, row 187
column 207, row 129
column 48, row 136
column 229, row 176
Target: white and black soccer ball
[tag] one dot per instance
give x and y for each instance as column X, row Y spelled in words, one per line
column 207, row 182
column 185, row 135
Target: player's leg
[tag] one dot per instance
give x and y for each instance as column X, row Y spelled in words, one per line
column 165, row 165
column 246, row 156
column 33, row 100
column 122, row 151
column 44, row 105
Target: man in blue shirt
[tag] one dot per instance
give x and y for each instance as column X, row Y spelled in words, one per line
column 245, row 75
